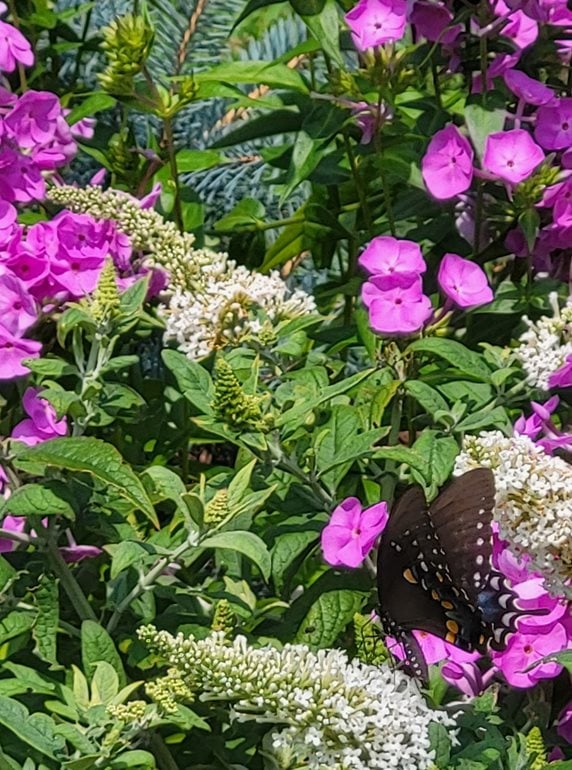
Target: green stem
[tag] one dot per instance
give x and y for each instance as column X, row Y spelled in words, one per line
column 388, row 481
column 70, row 585
column 17, row 537
column 168, row 127
column 145, row 583
column 358, row 183
column 162, row 754
column 478, row 218
column 436, row 85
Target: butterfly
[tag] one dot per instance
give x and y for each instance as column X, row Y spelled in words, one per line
column 435, row 570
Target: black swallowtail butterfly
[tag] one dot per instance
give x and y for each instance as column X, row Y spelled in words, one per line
column 435, row 570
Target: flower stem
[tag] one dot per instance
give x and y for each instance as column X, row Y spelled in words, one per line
column 145, row 583
column 70, row 585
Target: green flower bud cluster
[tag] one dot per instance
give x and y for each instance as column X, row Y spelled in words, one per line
column 105, row 302
column 134, row 711
column 127, row 42
column 238, row 409
column 223, row 618
column 535, row 747
column 216, row 510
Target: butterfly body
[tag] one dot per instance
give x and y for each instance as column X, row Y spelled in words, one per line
column 435, row 572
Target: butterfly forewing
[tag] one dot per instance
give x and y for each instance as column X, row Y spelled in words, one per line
column 462, row 516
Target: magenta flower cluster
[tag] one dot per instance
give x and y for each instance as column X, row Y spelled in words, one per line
column 393, row 293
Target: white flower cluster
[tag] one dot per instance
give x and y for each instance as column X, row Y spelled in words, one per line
column 211, row 303
column 227, row 307
column 337, row 713
column 546, row 345
column 533, row 503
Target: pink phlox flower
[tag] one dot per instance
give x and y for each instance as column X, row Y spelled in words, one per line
column 399, row 309
column 497, row 68
column 431, row 21
column 515, row 242
column 564, row 723
column 8, row 217
column 524, row 650
column 33, row 119
column 467, row 677
column 561, row 191
column 511, row 155
column 463, row 282
column 521, row 29
column 74, row 553
column 148, row 201
column 20, row 179
column 42, row 423
column 528, row 89
column 15, row 524
column 562, row 377
column 540, row 609
column 369, row 119
column 18, row 311
column 14, row 350
column 553, row 129
column 82, row 129
column 375, row 22
column 14, row 48
column 351, row 532
column 447, row 165
column 385, row 255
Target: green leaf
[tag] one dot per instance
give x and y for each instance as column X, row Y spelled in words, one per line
column 247, row 215
column 96, row 645
column 50, row 367
column 51, row 498
column 96, row 102
column 240, row 484
column 194, row 381
column 124, row 555
column 484, row 114
column 460, row 357
column 308, row 7
column 426, row 396
column 439, row 454
column 286, row 550
column 255, row 72
column 251, row 7
column 328, row 617
column 132, row 299
column 497, row 418
column 137, row 758
column 324, row 24
column 7, row 573
column 406, row 456
column 197, row 160
column 15, row 624
column 45, row 628
column 85, row 454
column 36, row 730
column 104, row 684
column 306, row 155
column 440, row 744
column 246, row 543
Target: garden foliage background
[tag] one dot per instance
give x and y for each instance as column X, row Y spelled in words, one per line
column 262, row 265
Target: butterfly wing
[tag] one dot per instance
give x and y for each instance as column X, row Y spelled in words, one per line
column 462, row 516
column 403, row 601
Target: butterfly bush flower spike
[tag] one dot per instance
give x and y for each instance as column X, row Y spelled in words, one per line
column 328, row 711
column 351, row 532
column 533, row 504
column 447, row 166
column 463, row 282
